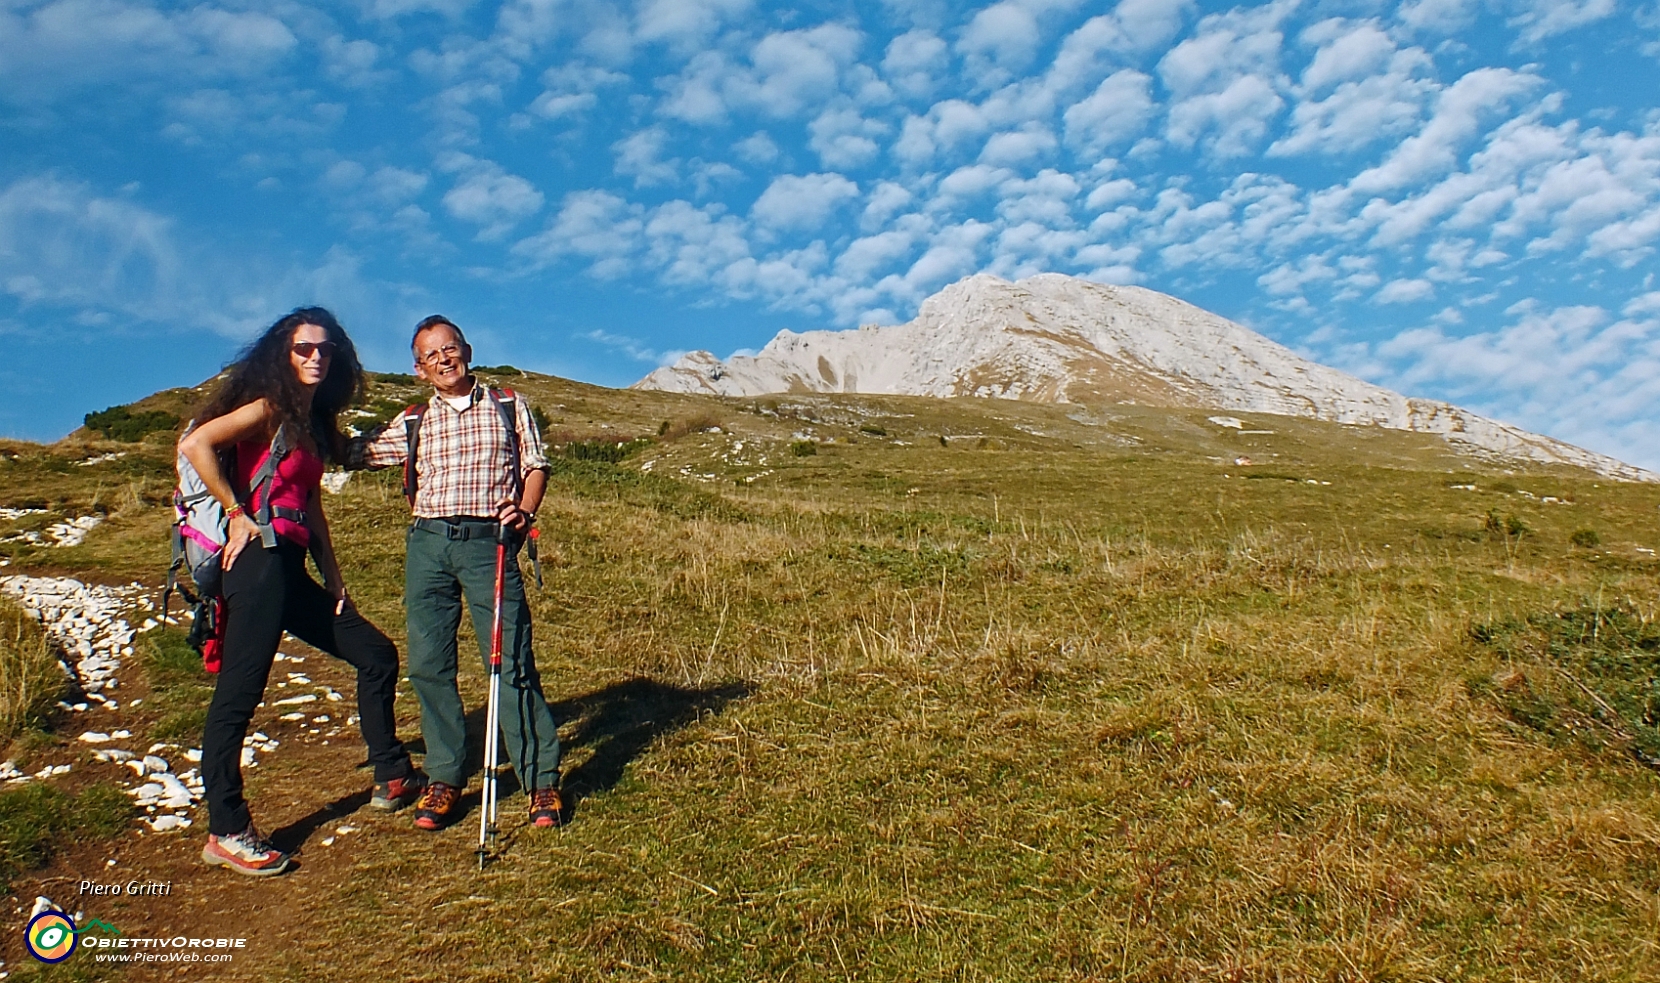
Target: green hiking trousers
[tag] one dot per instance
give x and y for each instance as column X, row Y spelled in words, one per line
column 447, row 559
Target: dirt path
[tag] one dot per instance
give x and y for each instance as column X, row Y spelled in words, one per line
column 310, row 795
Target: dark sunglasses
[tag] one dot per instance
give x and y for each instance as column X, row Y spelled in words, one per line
column 323, row 348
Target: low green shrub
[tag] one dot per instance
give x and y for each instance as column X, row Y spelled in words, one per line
column 121, row 423
column 609, row 451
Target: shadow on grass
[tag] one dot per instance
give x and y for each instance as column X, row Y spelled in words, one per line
column 617, row 723
column 291, row 837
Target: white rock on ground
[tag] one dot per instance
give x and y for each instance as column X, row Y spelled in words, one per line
column 1055, row 338
column 87, row 621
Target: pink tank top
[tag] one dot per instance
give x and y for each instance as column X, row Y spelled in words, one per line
column 299, row 473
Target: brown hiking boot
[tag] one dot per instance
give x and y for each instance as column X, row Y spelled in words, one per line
column 438, row 807
column 547, row 808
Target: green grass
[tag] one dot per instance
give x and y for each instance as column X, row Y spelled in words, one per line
column 179, row 687
column 1065, row 698
column 35, row 816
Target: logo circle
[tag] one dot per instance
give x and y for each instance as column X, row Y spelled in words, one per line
column 50, row 936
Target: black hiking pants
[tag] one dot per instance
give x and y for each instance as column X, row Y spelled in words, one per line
column 268, row 592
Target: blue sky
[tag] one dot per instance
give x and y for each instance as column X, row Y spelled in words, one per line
column 1455, row 198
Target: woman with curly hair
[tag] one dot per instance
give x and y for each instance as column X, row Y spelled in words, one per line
column 296, row 377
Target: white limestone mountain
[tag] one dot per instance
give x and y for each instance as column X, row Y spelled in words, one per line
column 1060, row 339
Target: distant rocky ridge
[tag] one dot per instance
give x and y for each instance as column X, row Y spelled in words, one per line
column 1056, row 338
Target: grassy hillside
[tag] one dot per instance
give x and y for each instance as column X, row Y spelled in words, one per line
column 890, row 689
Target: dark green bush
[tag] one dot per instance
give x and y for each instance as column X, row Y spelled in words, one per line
column 1586, row 538
column 608, row 451
column 1505, row 525
column 121, row 423
column 804, row 448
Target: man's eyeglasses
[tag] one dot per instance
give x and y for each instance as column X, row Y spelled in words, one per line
column 304, row 349
column 439, row 354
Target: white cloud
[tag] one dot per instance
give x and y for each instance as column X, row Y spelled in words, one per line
column 60, row 46
column 1001, row 39
column 1115, row 113
column 1458, row 114
column 593, row 224
column 1018, row 147
column 62, row 244
column 1404, row 292
column 634, row 348
column 954, row 253
column 844, row 139
column 885, row 200
column 794, row 69
column 1148, row 24
column 915, row 63
column 789, row 72
column 572, row 89
column 352, row 63
column 488, row 196
column 686, row 23
column 1224, row 81
column 699, row 94
column 1570, row 371
column 757, row 148
column 1371, row 91
column 970, row 182
column 864, row 258
column 1438, row 16
column 695, row 246
column 1229, row 123
column 794, row 202
column 1103, row 43
column 1542, row 19
column 640, row 156
column 1044, row 200
column 1648, row 304
column 394, row 185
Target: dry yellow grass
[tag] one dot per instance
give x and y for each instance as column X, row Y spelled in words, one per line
column 31, row 674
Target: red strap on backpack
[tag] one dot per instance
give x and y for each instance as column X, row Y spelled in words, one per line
column 213, row 646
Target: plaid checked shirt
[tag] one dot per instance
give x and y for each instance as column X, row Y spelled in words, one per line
column 462, row 466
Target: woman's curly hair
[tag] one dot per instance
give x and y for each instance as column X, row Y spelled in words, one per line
column 263, row 370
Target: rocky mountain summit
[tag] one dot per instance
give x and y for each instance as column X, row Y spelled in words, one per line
column 1056, row 338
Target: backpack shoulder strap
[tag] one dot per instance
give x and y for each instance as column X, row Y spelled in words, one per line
column 503, row 400
column 259, row 484
column 261, row 478
column 412, row 439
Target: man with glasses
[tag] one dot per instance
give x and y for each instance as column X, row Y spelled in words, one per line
column 473, row 472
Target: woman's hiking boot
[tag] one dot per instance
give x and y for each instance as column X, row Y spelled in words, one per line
column 399, row 792
column 246, row 852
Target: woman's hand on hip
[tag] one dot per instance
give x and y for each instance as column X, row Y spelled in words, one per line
column 341, row 598
column 242, row 531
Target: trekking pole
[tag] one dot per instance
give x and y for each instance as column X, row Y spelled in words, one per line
column 492, row 712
